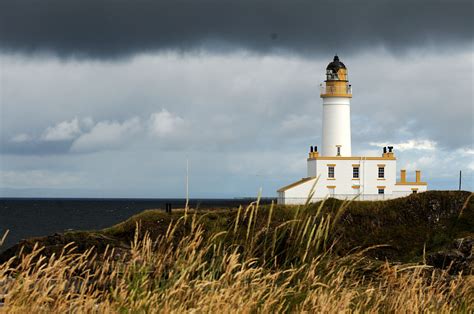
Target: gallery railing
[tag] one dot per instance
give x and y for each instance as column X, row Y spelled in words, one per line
column 336, row 90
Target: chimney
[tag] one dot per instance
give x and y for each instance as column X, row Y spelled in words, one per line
column 384, row 150
column 390, row 148
column 418, row 176
column 313, row 153
column 403, row 176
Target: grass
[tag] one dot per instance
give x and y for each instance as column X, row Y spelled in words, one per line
column 313, row 258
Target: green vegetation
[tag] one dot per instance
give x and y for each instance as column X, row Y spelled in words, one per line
column 326, row 257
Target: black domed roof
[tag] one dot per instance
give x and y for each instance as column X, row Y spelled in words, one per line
column 335, row 65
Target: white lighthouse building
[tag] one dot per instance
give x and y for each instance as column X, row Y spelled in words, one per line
column 334, row 172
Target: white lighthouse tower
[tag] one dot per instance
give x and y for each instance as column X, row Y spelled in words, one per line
column 336, row 94
column 334, row 172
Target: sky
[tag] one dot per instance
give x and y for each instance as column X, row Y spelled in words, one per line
column 110, row 98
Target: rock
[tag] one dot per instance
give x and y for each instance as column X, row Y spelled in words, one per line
column 464, row 245
column 458, row 258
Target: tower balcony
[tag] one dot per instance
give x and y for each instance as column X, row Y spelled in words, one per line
column 339, row 90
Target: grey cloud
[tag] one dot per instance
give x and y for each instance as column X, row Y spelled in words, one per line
column 245, row 121
column 74, row 136
column 237, row 102
column 162, row 129
column 66, row 130
column 55, row 139
column 35, row 147
column 110, row 29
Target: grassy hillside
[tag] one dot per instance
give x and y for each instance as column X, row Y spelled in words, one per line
column 328, row 256
column 407, row 226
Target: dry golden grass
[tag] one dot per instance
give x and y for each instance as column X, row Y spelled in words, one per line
column 193, row 273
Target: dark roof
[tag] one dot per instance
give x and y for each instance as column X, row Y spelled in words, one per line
column 335, row 65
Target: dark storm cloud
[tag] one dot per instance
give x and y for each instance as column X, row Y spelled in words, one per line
column 119, row 28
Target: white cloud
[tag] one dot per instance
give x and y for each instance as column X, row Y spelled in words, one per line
column 165, row 123
column 409, row 145
column 66, row 130
column 107, row 135
column 465, row 151
column 423, row 162
column 21, row 138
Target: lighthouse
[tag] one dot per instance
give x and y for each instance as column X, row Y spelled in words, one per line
column 336, row 93
column 334, row 171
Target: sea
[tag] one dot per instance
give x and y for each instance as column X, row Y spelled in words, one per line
column 34, row 217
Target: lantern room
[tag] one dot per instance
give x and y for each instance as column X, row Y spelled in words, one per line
column 336, row 70
column 336, row 83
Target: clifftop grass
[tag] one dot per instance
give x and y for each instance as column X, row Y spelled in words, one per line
column 406, row 226
column 317, row 258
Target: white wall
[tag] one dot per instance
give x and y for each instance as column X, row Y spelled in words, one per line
column 336, row 126
column 297, row 194
column 407, row 189
column 312, row 170
column 367, row 197
column 369, row 180
column 368, row 176
column 344, row 182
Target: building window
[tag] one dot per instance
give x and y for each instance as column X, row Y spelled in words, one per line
column 331, row 172
column 338, row 150
column 381, row 172
column 355, row 172
column 381, row 191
